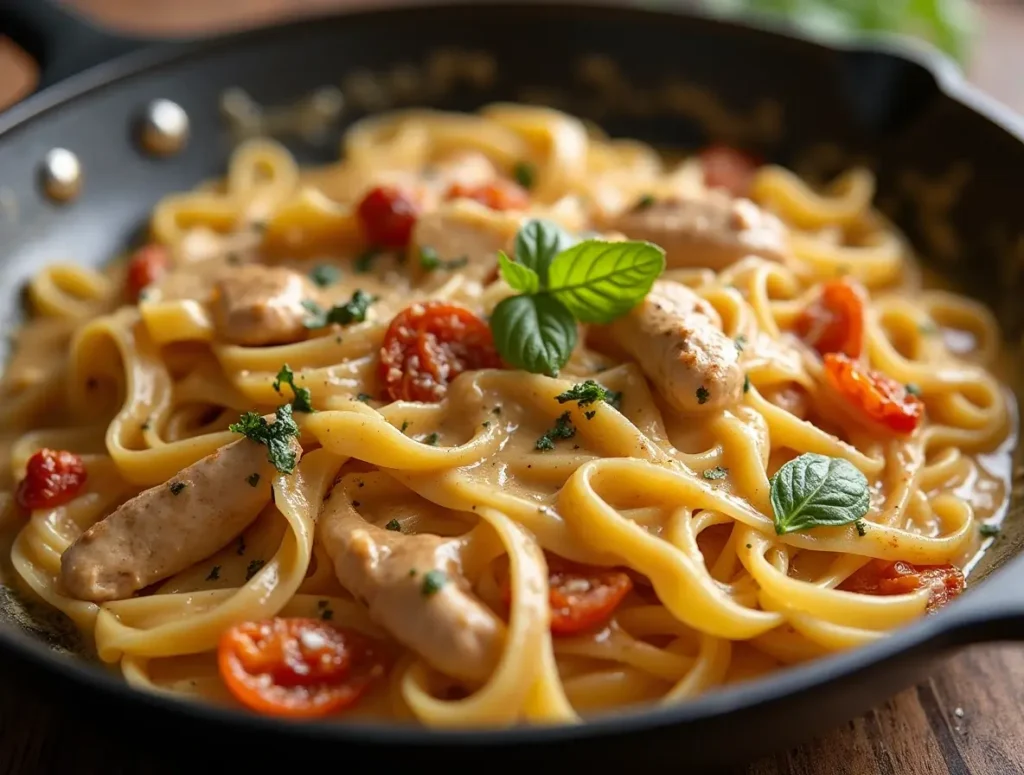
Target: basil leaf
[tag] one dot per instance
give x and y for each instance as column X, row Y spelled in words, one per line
column 599, row 281
column 520, row 277
column 537, row 244
column 534, row 333
column 817, row 491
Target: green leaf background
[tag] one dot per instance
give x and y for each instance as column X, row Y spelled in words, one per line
column 947, row 24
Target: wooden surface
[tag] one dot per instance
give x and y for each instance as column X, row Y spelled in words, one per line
column 967, row 719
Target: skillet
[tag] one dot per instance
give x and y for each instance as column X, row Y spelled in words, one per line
column 899, row 108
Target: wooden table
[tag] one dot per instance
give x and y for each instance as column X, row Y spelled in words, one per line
column 967, row 719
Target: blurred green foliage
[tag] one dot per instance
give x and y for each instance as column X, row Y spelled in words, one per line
column 947, row 24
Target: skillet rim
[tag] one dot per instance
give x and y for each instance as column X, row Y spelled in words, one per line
column 956, row 623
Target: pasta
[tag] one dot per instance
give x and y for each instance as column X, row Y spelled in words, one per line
column 450, row 541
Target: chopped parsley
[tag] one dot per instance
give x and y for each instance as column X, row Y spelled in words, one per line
column 394, row 525
column 254, row 568
column 365, row 260
column 741, row 342
column 703, row 394
column 746, row 383
column 646, row 201
column 587, row 393
column 276, row 436
column 241, row 546
column 989, row 531
column 496, row 411
column 429, row 260
column 715, row 473
column 486, row 424
column 432, row 439
column 214, row 573
column 913, row 389
column 177, row 487
column 524, row 173
column 145, row 426
column 303, row 401
column 928, row 328
column 861, row 529
column 590, row 415
column 432, row 582
column 327, row 614
column 405, row 425
column 325, row 274
column 562, row 429
column 364, row 397
column 253, row 479
column 352, row 311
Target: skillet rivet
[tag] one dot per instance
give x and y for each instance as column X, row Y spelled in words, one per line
column 61, row 174
column 164, row 128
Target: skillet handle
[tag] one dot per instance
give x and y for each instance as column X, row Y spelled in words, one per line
column 61, row 41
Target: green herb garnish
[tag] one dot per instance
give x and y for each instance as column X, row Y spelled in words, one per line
column 913, row 389
column 364, row 397
column 703, row 395
column 562, row 429
column 524, row 173
column 253, row 479
column 715, row 473
column 432, row 439
column 177, row 487
column 254, row 568
column 817, row 491
column 303, row 401
column 429, row 260
column 352, row 311
column 325, row 274
column 432, row 582
column 365, row 260
column 741, row 342
column 562, row 284
column 646, row 201
column 275, row 436
column 586, row 393
column 746, row 383
column 988, row 531
column 214, row 573
column 394, row 525
column 861, row 528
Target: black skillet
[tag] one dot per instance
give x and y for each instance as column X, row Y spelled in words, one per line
column 904, row 111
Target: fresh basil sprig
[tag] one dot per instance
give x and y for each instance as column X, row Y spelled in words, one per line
column 560, row 283
column 817, row 491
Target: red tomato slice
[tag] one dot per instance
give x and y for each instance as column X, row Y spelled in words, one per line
column 387, row 216
column 429, row 345
column 497, row 195
column 147, row 265
column 297, row 668
column 881, row 577
column 835, row 322
column 53, row 477
column 728, row 168
column 877, row 398
column 581, row 597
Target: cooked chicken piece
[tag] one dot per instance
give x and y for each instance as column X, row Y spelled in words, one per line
column 261, row 305
column 169, row 527
column 463, row 229
column 677, row 339
column 414, row 588
column 713, row 231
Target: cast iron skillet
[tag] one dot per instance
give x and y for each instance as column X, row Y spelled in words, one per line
column 904, row 111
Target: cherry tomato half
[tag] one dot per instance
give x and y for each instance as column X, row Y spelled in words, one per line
column 581, row 597
column 880, row 577
column 387, row 216
column 53, row 477
column 428, row 345
column 147, row 265
column 874, row 396
column 835, row 322
column 298, row 668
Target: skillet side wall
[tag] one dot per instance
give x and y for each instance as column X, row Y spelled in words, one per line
column 631, row 71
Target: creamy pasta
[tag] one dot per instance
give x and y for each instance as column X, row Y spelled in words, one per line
column 281, row 457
